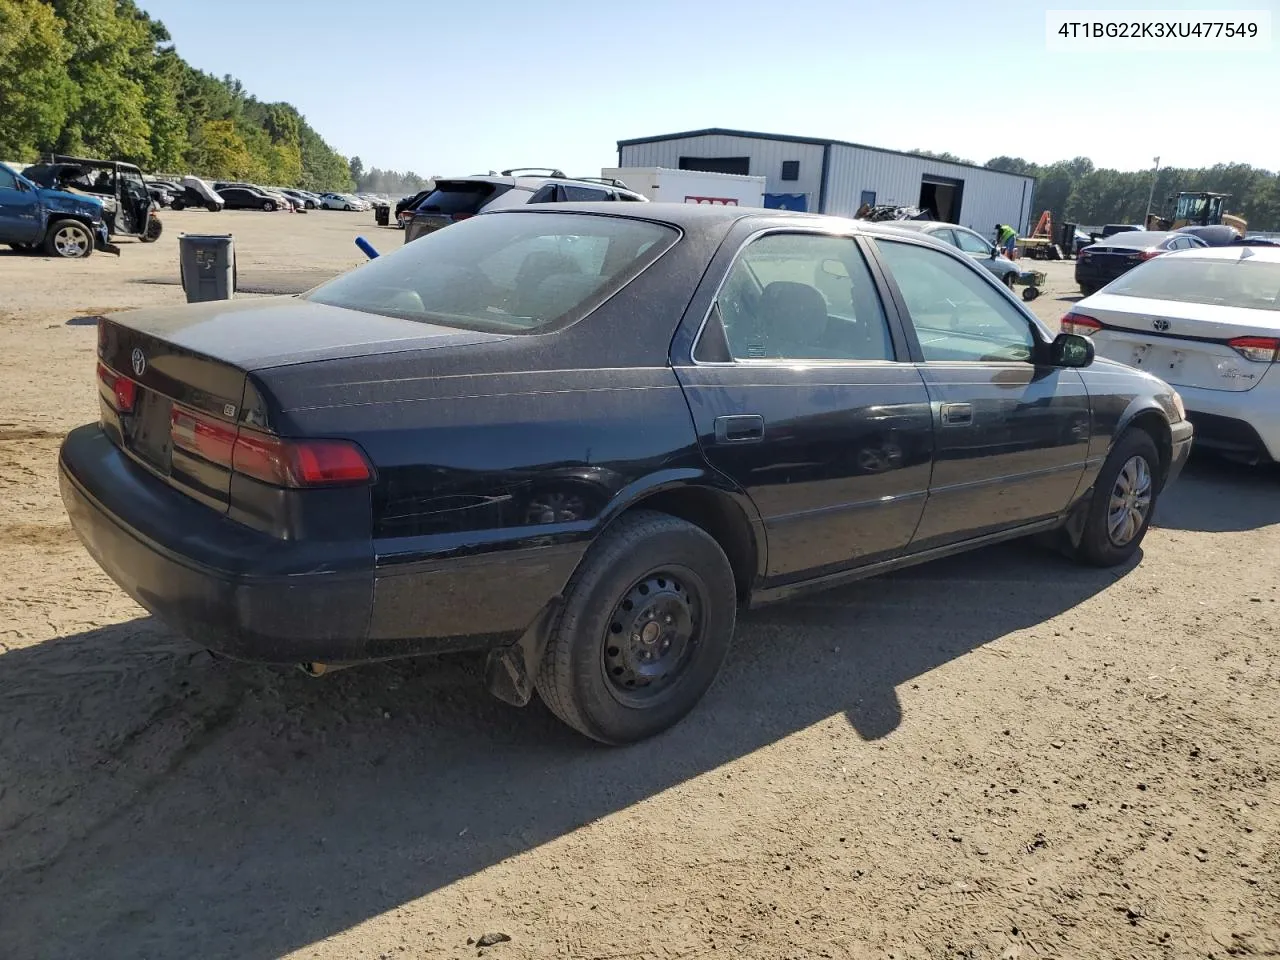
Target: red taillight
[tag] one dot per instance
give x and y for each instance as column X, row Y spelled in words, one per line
column 1081, row 324
column 299, row 463
column 1149, row 254
column 124, row 391
column 279, row 462
column 1260, row 349
column 461, row 216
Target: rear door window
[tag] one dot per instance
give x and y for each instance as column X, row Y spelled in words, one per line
column 583, row 194
column 802, row 297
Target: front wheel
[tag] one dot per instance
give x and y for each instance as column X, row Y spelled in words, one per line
column 346, row 206
column 269, row 206
column 177, row 205
column 645, row 628
column 1124, row 498
column 213, row 207
column 153, row 231
column 69, row 239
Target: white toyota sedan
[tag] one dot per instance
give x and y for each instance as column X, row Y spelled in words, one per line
column 1207, row 322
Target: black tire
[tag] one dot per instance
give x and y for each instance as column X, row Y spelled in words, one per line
column 269, row 206
column 1088, row 291
column 310, row 204
column 346, row 206
column 70, row 239
column 177, row 204
column 1099, row 546
column 153, row 231
column 1030, row 294
column 683, row 587
column 213, row 207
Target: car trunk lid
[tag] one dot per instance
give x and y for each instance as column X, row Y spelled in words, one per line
column 1185, row 344
column 176, row 386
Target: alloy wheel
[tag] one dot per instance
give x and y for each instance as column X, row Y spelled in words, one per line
column 1130, row 501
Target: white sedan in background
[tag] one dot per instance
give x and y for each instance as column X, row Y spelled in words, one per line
column 341, row 201
column 1207, row 322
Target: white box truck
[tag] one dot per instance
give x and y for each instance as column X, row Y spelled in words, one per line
column 664, row 185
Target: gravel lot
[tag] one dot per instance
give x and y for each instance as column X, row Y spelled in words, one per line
column 997, row 756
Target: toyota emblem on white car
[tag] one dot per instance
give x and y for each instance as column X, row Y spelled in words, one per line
column 139, row 360
column 1161, row 325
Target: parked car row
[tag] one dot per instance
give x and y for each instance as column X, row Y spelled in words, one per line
column 452, row 200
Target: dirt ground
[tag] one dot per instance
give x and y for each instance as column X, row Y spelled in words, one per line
column 997, row 756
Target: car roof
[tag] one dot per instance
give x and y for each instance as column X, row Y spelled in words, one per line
column 532, row 181
column 1136, row 238
column 1238, row 252
column 923, row 224
column 706, row 216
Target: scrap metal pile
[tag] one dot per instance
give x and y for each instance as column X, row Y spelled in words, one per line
column 891, row 211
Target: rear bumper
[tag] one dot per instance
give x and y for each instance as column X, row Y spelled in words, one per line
column 225, row 586
column 254, row 597
column 1239, row 423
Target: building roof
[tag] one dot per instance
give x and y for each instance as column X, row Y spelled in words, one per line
column 817, row 141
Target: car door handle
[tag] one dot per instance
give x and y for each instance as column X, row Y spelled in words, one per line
column 745, row 428
column 956, row 414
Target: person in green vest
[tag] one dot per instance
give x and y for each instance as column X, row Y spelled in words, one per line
column 1006, row 238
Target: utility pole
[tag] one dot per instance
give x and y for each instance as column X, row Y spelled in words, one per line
column 1151, row 195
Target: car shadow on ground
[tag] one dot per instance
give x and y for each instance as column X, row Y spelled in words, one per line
column 1215, row 495
column 164, row 803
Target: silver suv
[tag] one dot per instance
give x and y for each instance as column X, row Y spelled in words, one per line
column 462, row 197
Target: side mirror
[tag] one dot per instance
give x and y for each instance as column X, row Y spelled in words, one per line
column 1071, row 350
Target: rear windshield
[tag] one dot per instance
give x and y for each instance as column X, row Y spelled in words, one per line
column 503, row 272
column 466, row 196
column 1227, row 283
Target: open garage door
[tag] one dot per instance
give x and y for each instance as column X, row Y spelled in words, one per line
column 942, row 196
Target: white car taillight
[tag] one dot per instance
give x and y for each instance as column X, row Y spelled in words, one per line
column 1258, row 349
column 1081, row 324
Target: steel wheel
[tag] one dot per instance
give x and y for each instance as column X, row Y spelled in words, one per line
column 1130, row 501
column 71, row 241
column 651, row 635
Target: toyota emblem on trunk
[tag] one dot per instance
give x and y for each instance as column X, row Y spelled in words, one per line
column 1161, row 325
column 139, row 360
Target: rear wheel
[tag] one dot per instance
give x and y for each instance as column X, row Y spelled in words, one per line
column 213, row 207
column 68, row 238
column 1124, row 498
column 1030, row 293
column 645, row 627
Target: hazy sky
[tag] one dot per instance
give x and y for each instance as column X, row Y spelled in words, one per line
column 456, row 88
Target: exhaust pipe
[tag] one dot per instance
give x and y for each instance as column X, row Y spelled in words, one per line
column 313, row 668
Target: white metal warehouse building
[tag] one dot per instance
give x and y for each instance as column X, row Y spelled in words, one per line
column 835, row 177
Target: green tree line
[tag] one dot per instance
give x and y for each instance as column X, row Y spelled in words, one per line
column 101, row 78
column 1075, row 191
